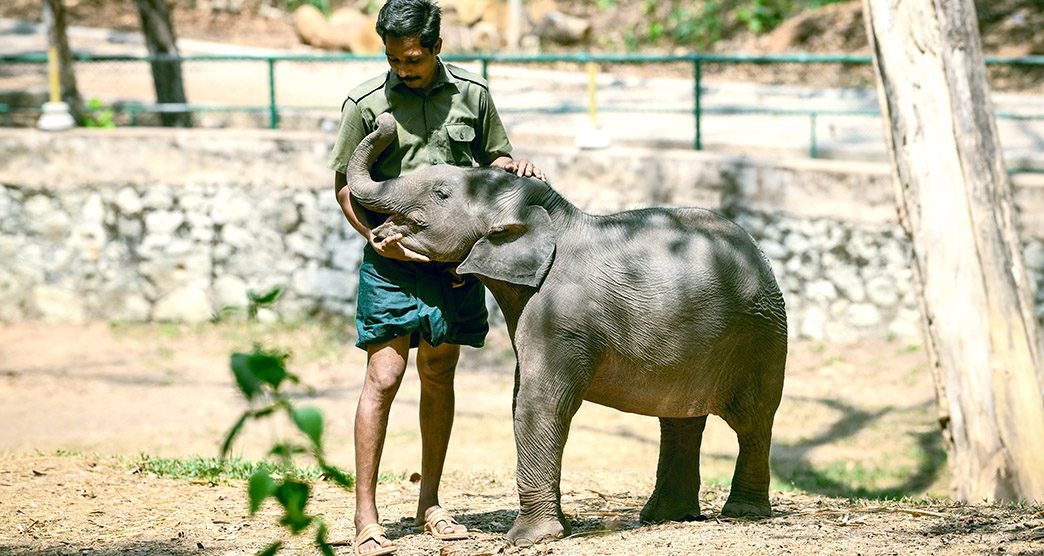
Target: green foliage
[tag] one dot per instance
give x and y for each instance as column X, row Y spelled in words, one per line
column 260, row 376
column 606, row 5
column 321, row 5
column 98, row 116
column 255, row 302
column 762, row 16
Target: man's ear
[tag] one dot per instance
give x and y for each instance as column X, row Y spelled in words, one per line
column 519, row 250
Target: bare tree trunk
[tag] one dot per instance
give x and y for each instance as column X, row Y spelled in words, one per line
column 54, row 20
column 166, row 68
column 955, row 201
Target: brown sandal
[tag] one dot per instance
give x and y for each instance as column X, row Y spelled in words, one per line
column 431, row 526
column 373, row 532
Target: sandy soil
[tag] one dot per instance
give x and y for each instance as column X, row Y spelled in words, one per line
column 79, row 404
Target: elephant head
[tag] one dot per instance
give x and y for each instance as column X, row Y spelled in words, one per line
column 492, row 220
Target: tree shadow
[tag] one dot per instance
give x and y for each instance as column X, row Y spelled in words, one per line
column 791, row 462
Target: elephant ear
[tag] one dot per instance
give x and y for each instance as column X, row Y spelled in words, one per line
column 518, row 250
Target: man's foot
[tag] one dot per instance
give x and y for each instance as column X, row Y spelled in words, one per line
column 371, row 541
column 441, row 525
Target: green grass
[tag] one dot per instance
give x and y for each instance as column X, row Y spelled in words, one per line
column 216, row 470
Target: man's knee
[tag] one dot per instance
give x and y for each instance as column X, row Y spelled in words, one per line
column 385, row 368
column 437, row 365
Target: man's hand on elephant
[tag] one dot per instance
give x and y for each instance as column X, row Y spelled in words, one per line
column 391, row 248
column 521, row 168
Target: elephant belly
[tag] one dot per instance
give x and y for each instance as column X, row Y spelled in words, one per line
column 658, row 392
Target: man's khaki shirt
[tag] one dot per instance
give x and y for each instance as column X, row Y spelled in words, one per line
column 455, row 122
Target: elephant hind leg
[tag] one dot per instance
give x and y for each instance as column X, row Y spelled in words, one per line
column 677, row 493
column 748, row 496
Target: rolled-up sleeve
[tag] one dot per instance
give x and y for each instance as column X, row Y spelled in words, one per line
column 493, row 135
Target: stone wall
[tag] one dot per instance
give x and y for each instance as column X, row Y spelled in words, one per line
column 139, row 224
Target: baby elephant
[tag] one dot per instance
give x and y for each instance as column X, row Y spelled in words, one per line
column 668, row 312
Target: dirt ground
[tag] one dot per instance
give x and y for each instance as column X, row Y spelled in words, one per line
column 81, row 404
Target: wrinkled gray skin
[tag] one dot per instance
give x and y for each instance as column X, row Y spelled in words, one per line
column 672, row 313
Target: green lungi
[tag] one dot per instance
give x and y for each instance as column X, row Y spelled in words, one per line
column 399, row 298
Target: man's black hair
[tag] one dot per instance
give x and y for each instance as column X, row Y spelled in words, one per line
column 410, row 18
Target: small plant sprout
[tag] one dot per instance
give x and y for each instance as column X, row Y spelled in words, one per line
column 260, row 376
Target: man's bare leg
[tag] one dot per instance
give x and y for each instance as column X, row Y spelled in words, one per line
column 385, row 366
column 436, row 366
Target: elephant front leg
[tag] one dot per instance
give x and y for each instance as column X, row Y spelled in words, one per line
column 543, row 411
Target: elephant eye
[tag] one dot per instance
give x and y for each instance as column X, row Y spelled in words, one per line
column 441, row 193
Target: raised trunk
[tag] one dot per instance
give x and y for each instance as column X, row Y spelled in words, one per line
column 955, row 201
column 360, row 184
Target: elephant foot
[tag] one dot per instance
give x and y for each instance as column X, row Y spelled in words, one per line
column 527, row 532
column 746, row 508
column 661, row 508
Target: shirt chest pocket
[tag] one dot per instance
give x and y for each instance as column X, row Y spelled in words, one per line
column 459, row 139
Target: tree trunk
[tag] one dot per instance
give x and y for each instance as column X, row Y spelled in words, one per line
column 54, row 20
column 955, row 201
column 166, row 67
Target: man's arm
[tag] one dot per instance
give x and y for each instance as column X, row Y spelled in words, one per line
column 495, row 144
column 359, row 219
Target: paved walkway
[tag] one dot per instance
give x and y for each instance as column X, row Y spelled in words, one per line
column 632, row 109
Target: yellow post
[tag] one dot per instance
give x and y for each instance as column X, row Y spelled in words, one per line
column 592, row 87
column 591, row 136
column 53, row 71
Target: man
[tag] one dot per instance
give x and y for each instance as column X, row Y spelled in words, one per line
column 444, row 115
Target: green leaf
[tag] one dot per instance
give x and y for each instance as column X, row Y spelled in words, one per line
column 293, row 495
column 266, row 298
column 310, row 421
column 320, row 539
column 285, row 450
column 248, row 381
column 267, row 367
column 271, row 549
column 261, row 486
column 342, row 479
column 232, row 433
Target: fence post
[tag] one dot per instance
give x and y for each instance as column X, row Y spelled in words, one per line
column 813, row 148
column 485, row 68
column 273, row 110
column 697, row 77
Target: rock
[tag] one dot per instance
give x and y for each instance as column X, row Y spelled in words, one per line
column 229, row 291
column 486, row 37
column 864, row 315
column 57, row 304
column 128, row 202
column 813, row 323
column 188, row 304
column 565, row 29
column 355, row 31
column 163, row 222
column 312, row 27
column 469, row 12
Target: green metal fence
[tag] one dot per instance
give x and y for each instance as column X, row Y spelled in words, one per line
column 260, row 96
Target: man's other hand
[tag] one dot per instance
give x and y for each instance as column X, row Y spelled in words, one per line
column 522, row 168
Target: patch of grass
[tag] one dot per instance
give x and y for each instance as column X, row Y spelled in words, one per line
column 216, row 470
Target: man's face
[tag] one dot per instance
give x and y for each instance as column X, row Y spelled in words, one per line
column 413, row 63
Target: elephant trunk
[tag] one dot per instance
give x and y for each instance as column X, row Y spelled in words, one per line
column 360, row 184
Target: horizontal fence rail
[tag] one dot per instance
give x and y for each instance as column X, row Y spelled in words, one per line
column 266, row 102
